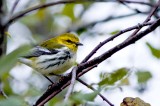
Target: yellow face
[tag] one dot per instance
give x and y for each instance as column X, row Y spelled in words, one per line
column 69, row 40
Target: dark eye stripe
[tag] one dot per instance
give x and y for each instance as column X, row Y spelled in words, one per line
column 69, row 41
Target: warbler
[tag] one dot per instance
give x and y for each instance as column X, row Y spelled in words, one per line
column 54, row 56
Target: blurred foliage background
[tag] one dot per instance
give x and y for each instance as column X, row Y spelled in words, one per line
column 133, row 71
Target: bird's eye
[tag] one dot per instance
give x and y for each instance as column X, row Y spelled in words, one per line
column 69, row 41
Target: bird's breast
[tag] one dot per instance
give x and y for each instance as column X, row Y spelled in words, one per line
column 57, row 63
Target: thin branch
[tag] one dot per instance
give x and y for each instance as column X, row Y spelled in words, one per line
column 154, row 9
column 64, row 82
column 21, row 14
column 71, row 85
column 90, row 87
column 134, row 9
column 101, row 21
column 121, row 32
column 14, row 7
column 137, row 2
column 122, row 45
column 112, row 37
column 50, row 92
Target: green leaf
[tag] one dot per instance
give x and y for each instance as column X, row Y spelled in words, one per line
column 90, row 96
column 114, row 32
column 143, row 76
column 155, row 52
column 112, row 78
column 41, row 14
column 12, row 101
column 7, row 87
column 68, row 10
column 79, row 97
column 54, row 102
column 7, row 62
column 125, row 81
column 81, row 30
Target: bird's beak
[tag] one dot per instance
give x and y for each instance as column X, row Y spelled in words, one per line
column 79, row 44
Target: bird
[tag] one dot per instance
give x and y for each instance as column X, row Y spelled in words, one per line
column 54, row 56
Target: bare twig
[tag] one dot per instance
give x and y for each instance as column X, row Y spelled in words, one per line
column 122, row 45
column 137, row 2
column 23, row 13
column 152, row 12
column 148, row 18
column 112, row 37
column 134, row 9
column 90, row 87
column 44, row 98
column 101, row 21
column 14, row 7
column 71, row 85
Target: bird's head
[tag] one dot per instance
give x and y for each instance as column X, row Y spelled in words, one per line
column 67, row 39
column 70, row 40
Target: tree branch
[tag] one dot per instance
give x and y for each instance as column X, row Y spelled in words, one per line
column 101, row 21
column 134, row 9
column 113, row 37
column 73, row 79
column 154, row 9
column 23, row 13
column 90, row 87
column 48, row 94
column 2, row 29
column 115, row 49
column 14, row 7
column 65, row 81
column 137, row 2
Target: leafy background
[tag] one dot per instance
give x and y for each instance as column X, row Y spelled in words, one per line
column 133, row 71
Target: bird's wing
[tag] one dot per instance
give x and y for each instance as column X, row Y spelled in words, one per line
column 48, row 47
column 38, row 51
column 51, row 44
